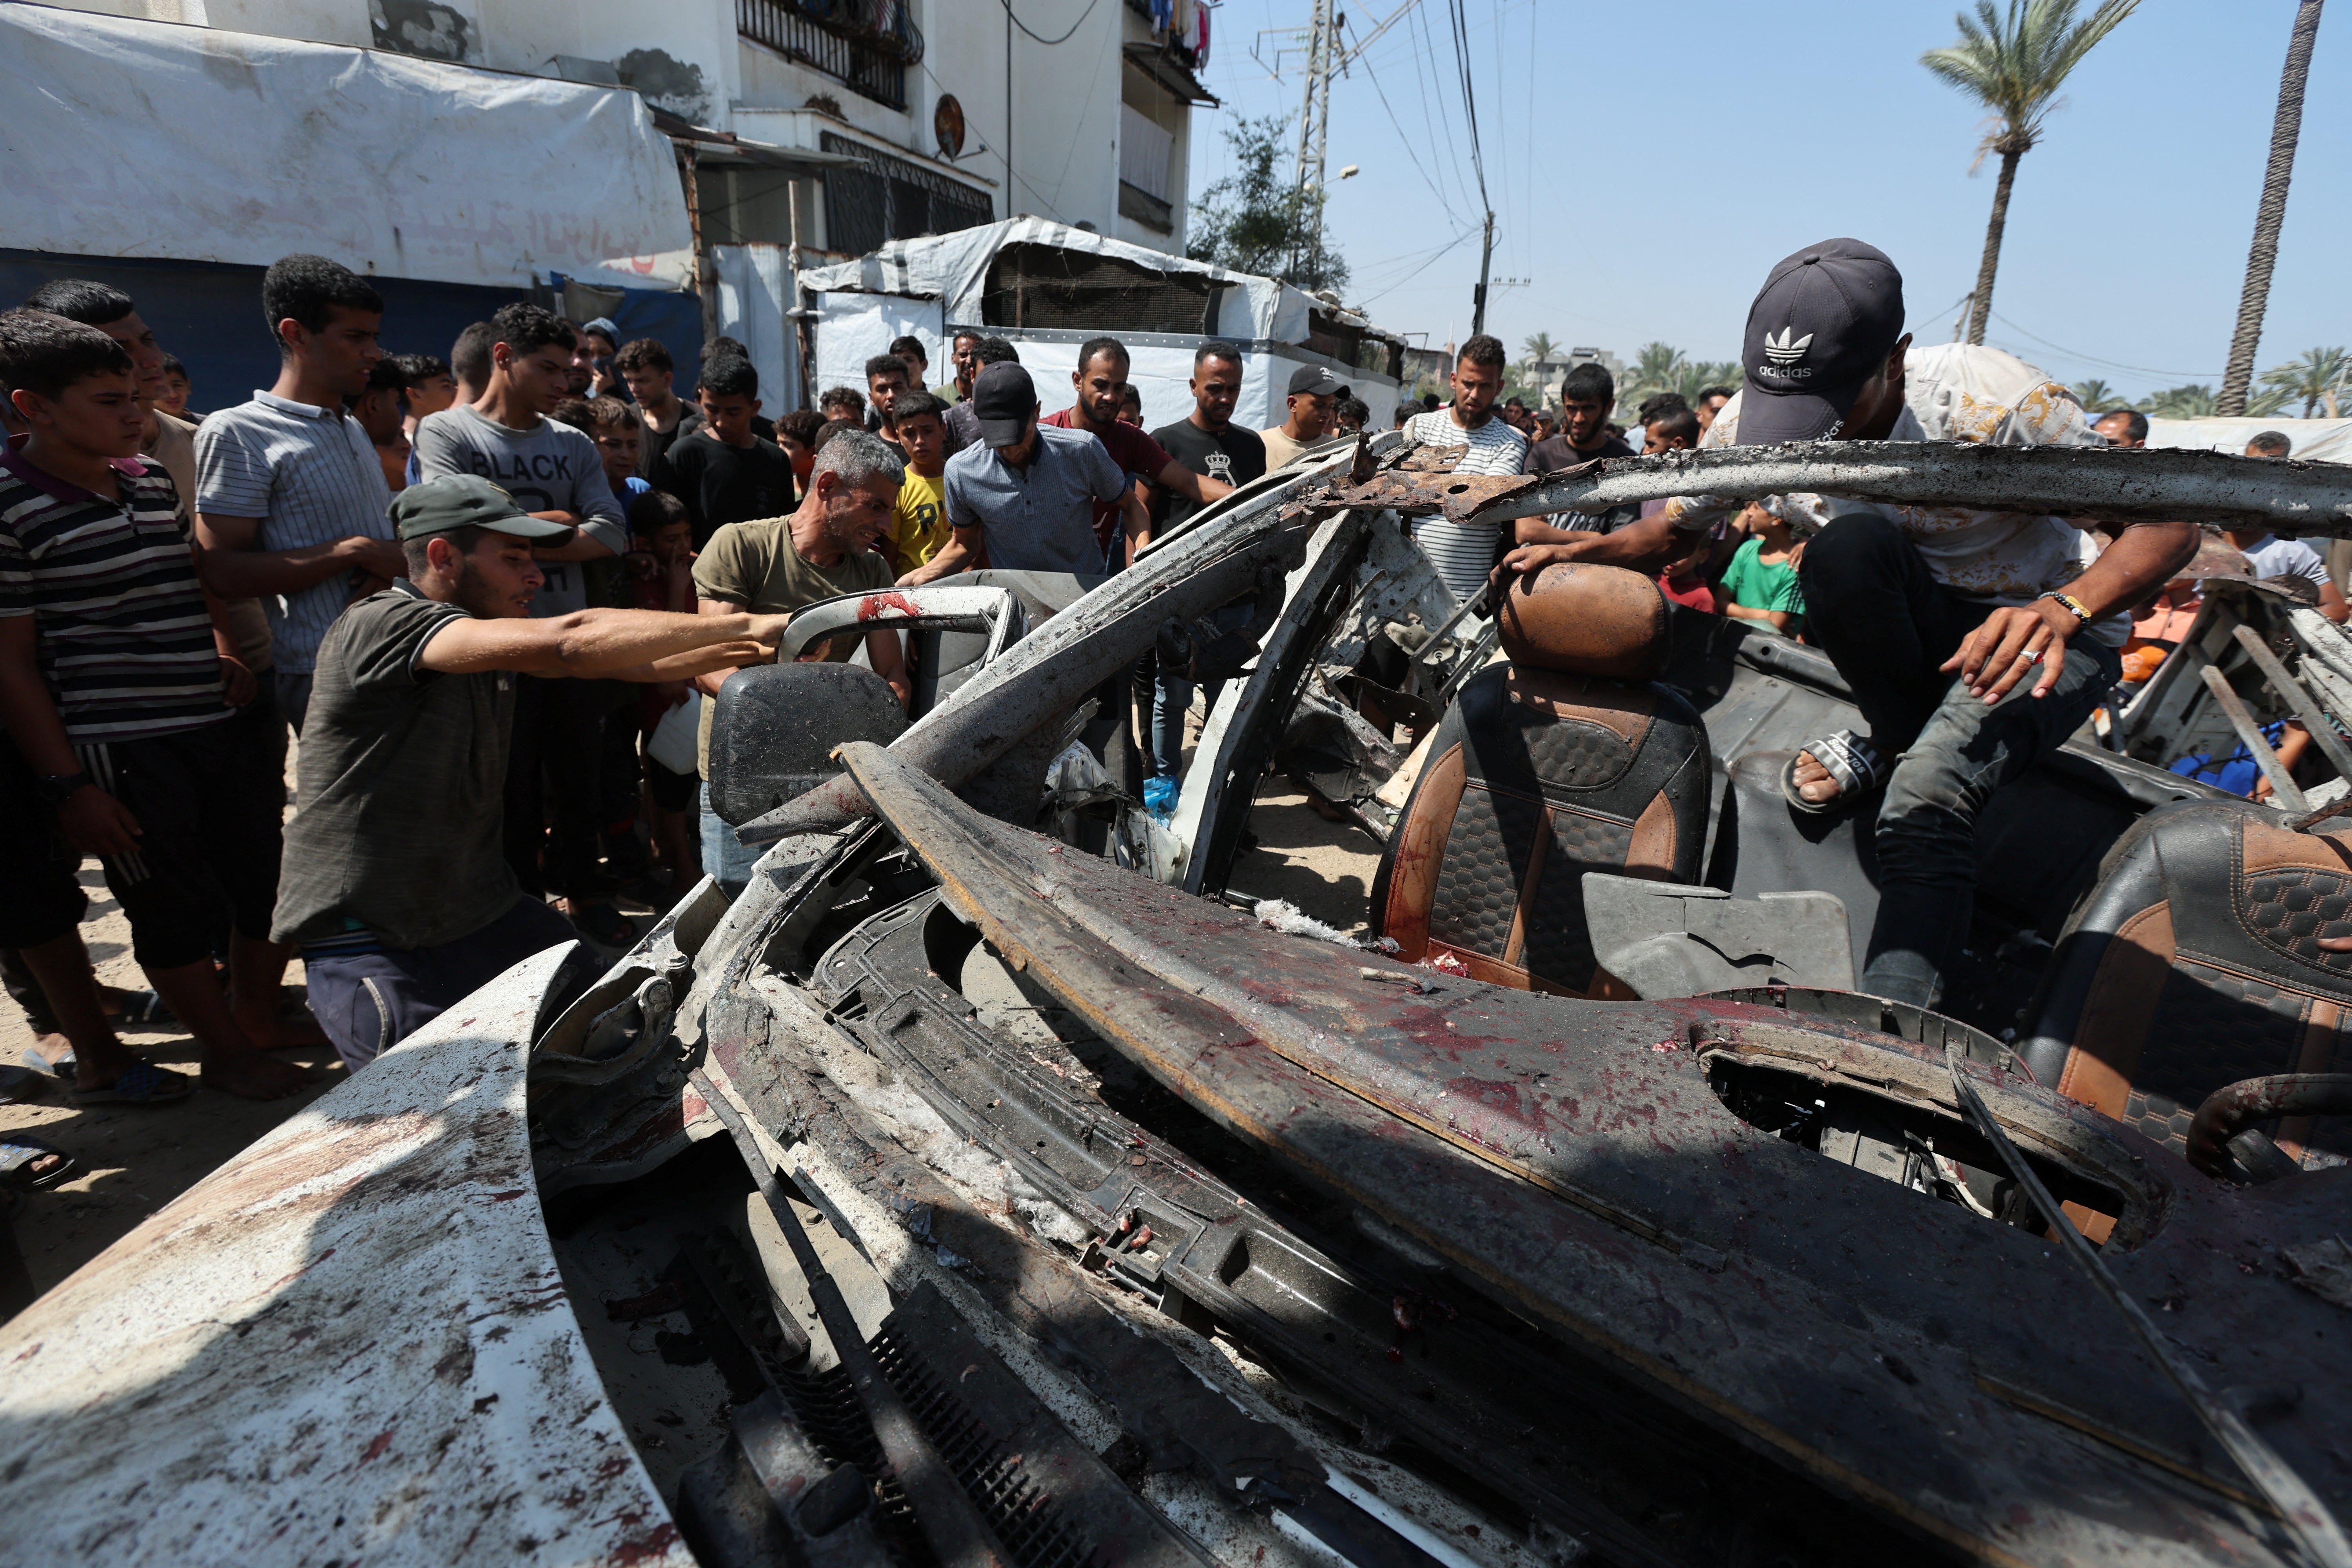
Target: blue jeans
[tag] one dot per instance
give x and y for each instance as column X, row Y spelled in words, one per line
column 1873, row 607
column 725, row 857
column 369, row 998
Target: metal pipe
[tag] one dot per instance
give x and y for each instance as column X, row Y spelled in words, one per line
column 951, row 1522
column 2231, row 1108
column 2250, row 734
column 2082, row 482
column 2306, row 712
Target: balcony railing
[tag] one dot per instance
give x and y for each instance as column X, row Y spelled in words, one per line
column 866, row 44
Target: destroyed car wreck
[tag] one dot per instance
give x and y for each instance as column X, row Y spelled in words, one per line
column 962, row 1192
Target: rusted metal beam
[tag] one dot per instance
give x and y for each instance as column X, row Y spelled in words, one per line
column 2083, row 483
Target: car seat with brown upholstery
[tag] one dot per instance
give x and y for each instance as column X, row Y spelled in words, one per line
column 2194, row 963
column 1567, row 760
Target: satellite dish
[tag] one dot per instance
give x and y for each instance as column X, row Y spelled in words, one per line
column 947, row 124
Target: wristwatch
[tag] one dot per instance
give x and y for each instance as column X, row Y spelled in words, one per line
column 56, row 789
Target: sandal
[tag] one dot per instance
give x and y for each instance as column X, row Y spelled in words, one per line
column 19, row 1151
column 63, row 1067
column 141, row 1083
column 1853, row 764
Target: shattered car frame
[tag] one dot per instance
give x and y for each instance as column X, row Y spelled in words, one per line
column 961, row 1193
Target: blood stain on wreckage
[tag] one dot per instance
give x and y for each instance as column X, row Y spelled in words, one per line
column 964, row 1193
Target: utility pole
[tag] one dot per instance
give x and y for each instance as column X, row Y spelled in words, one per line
column 1325, row 55
column 1314, row 122
column 1486, row 263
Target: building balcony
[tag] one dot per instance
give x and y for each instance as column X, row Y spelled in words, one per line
column 866, row 44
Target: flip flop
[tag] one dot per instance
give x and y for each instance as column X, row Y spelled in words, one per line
column 18, row 1085
column 141, row 1083
column 62, row 1067
column 19, row 1151
column 1853, row 764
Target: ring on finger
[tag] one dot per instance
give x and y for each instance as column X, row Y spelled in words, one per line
column 2029, row 656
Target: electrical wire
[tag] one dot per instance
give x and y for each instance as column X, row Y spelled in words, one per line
column 1444, row 123
column 2094, row 359
column 1407, row 142
column 1418, row 263
column 1469, row 95
column 1049, row 43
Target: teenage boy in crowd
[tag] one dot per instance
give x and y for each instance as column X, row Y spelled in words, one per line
column 111, row 693
column 963, row 425
column 1464, row 553
column 887, row 381
column 175, row 390
column 916, row 358
column 775, row 566
column 469, row 364
column 662, row 578
column 1313, row 403
column 430, row 388
column 922, row 529
column 796, row 434
column 396, row 882
column 380, row 414
column 289, row 495
column 651, row 376
column 1210, row 443
column 1022, row 497
column 618, row 432
column 1100, row 382
column 555, row 473
column 599, row 343
column 722, row 471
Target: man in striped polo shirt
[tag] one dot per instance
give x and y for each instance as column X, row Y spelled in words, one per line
column 1465, row 552
column 291, row 495
column 110, row 686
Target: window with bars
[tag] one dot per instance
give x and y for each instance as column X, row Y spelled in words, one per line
column 1045, row 286
column 865, row 43
column 891, row 198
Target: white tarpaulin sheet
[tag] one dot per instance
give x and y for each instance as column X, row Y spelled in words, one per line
column 953, row 269
column 143, row 139
column 853, row 328
column 754, row 290
column 2322, row 440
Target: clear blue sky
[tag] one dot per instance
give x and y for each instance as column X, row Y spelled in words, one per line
column 1647, row 163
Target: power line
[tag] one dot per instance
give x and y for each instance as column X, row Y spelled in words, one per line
column 1407, row 140
column 1418, row 263
column 1469, row 94
column 2094, row 359
column 1040, row 37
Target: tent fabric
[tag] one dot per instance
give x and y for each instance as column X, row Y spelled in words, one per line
column 753, row 288
column 2320, row 440
column 953, row 269
column 140, row 139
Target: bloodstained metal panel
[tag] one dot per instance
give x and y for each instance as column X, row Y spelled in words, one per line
column 349, row 1343
column 1889, row 1345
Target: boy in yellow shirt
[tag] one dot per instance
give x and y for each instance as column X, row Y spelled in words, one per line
column 922, row 526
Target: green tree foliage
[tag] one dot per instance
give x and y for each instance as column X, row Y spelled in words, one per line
column 2097, row 396
column 2013, row 65
column 1255, row 218
column 2321, row 379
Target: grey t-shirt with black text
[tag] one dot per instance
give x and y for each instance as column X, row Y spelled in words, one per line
column 552, row 468
column 401, row 784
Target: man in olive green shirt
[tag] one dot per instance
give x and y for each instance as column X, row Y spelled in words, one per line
column 831, row 545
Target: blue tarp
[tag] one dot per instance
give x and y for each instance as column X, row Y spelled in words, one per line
column 209, row 314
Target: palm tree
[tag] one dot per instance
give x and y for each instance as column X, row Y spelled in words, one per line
column 2272, row 211
column 2014, row 67
column 2194, row 401
column 2318, row 378
column 1539, row 348
column 1699, row 375
column 2095, row 394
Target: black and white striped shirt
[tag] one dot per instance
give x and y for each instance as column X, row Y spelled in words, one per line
column 121, row 633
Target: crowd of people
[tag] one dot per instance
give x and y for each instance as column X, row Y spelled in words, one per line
column 481, row 600
column 487, row 598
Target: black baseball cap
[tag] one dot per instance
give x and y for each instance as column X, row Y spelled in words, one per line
column 465, row 500
column 1316, row 380
column 1003, row 400
column 1821, row 327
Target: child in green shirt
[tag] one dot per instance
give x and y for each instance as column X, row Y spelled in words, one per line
column 1760, row 582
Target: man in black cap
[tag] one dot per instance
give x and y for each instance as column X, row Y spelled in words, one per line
column 1934, row 615
column 1314, row 401
column 395, row 880
column 1022, row 497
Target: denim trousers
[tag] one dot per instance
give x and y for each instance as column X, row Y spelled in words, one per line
column 725, row 857
column 1875, row 608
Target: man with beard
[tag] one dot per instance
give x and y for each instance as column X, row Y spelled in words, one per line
column 833, row 544
column 396, row 881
